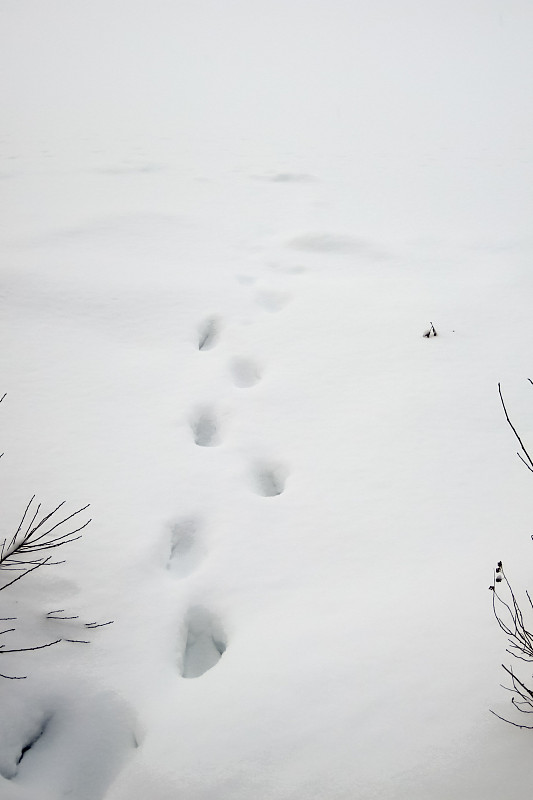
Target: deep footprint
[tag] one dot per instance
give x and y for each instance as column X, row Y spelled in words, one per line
column 208, row 333
column 205, row 643
column 244, row 372
column 73, row 748
column 268, row 479
column 9, row 767
column 205, row 428
column 186, row 550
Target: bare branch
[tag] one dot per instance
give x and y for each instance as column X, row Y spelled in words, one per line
column 509, row 722
column 40, row 564
column 37, row 647
column 528, row 457
column 26, row 551
column 510, row 619
column 93, row 625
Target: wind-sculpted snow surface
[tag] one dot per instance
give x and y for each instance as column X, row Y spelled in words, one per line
column 226, row 229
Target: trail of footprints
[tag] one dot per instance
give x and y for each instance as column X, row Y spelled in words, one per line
column 204, row 640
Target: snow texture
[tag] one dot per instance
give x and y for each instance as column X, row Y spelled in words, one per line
column 226, row 229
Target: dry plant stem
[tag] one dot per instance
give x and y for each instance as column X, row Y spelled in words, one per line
column 519, row 638
column 36, row 536
column 527, row 461
column 23, row 574
column 23, row 650
column 509, row 615
column 26, row 552
column 510, row 618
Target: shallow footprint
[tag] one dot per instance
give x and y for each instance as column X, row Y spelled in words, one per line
column 186, row 550
column 246, row 280
column 268, row 478
column 298, row 270
column 205, row 642
column 272, row 301
column 205, row 428
column 244, row 372
column 208, row 333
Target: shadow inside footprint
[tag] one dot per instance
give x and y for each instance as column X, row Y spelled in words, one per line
column 208, row 333
column 268, row 479
column 205, row 643
column 244, row 372
column 12, row 755
column 69, row 743
column 186, row 552
column 205, row 428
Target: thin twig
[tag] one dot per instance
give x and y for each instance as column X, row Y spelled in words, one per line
column 93, row 625
column 37, row 647
column 509, row 722
column 516, row 433
column 40, row 564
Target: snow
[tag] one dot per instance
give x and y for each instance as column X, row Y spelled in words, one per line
column 226, row 228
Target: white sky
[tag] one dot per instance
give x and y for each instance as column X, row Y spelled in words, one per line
column 435, row 74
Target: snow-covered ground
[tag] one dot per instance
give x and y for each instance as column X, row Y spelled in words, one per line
column 225, row 228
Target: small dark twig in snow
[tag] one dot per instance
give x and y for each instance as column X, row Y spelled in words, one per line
column 430, row 332
column 98, row 624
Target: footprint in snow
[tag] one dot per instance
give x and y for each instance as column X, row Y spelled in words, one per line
column 205, row 642
column 246, row 280
column 205, row 427
column 272, row 301
column 296, row 269
column 87, row 736
column 208, row 333
column 186, row 549
column 21, row 743
column 268, row 478
column 244, row 372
